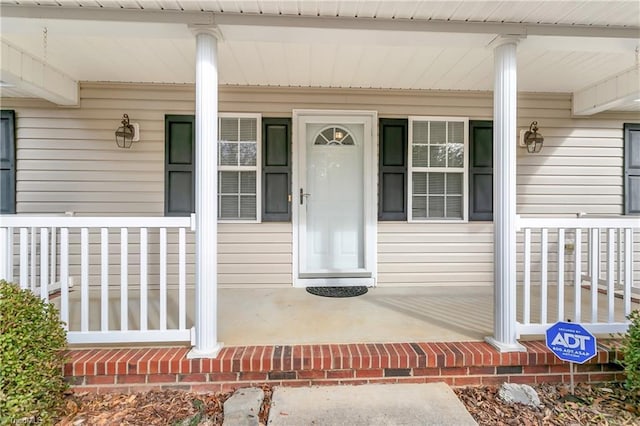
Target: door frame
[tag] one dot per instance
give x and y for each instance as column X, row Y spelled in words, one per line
column 370, row 199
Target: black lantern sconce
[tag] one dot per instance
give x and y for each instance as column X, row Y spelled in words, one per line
column 531, row 139
column 127, row 133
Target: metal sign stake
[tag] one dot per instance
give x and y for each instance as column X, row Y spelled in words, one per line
column 571, row 376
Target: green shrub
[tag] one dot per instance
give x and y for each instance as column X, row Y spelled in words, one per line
column 32, row 343
column 631, row 351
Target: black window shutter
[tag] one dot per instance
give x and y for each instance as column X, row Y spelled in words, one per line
column 276, row 169
column 7, row 162
column 480, row 170
column 392, row 179
column 179, row 155
column 632, row 168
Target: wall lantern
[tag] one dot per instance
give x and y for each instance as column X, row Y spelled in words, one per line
column 531, row 139
column 127, row 133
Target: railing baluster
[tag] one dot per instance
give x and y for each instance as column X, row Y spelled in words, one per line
column 143, row 279
column 54, row 255
column 577, row 285
column 4, row 254
column 64, row 276
column 526, row 297
column 619, row 259
column 84, row 279
column 104, row 280
column 594, row 249
column 34, row 259
column 628, row 269
column 44, row 264
column 124, row 279
column 24, row 258
column 163, row 278
column 561, row 274
column 9, row 255
column 182, row 280
column 544, row 240
column 610, row 273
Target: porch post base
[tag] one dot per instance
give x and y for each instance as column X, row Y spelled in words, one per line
column 195, row 353
column 505, row 347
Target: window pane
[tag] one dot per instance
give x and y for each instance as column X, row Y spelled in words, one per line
column 419, row 183
column 247, row 207
column 437, row 156
column 248, row 129
column 456, row 155
column 456, row 132
column 454, row 183
column 454, row 207
column 438, row 134
column 436, row 206
column 228, row 206
column 228, row 182
column 436, row 183
column 419, row 207
column 420, row 132
column 228, row 154
column 420, row 155
column 248, row 153
column 248, row 183
column 228, row 129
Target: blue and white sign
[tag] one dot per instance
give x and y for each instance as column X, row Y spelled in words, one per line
column 571, row 342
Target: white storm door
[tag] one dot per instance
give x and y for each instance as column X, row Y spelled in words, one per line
column 333, row 196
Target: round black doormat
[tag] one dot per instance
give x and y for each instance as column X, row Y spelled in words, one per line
column 337, row 291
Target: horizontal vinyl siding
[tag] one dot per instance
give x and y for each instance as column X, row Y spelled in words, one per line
column 68, row 161
column 419, row 254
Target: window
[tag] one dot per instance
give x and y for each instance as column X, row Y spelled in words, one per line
column 437, row 168
column 7, row 162
column 239, row 167
column 632, row 168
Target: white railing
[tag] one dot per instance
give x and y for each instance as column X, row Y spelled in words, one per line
column 577, row 269
column 104, row 273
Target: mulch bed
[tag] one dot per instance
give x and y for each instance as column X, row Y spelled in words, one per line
column 591, row 405
column 606, row 404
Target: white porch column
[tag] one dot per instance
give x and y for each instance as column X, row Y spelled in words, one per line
column 206, row 320
column 504, row 205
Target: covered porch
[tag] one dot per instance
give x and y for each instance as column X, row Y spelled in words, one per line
column 147, row 279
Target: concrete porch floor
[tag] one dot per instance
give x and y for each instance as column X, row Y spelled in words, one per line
column 290, row 316
column 408, row 314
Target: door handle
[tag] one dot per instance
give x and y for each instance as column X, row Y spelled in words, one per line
column 302, row 195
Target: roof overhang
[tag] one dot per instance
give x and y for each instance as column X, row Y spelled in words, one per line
column 269, row 49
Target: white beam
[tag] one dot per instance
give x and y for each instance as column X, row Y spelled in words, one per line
column 206, row 322
column 417, row 25
column 618, row 90
column 34, row 76
column 504, row 206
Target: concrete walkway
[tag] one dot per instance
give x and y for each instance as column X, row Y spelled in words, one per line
column 365, row 405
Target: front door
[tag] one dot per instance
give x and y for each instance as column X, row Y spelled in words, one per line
column 335, row 198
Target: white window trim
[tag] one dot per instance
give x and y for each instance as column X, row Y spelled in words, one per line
column 257, row 168
column 465, row 172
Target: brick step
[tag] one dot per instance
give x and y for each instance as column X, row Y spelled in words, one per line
column 458, row 364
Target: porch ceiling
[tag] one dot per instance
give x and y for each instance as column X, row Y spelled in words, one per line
column 332, row 56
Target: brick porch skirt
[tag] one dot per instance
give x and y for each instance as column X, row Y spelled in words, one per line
column 458, row 364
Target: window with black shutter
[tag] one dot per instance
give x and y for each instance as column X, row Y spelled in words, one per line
column 480, row 170
column 632, row 168
column 179, row 136
column 276, row 169
column 7, row 162
column 392, row 182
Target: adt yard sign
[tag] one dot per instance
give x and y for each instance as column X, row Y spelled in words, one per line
column 571, row 342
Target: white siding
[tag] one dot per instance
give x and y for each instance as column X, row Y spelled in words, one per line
column 68, row 161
